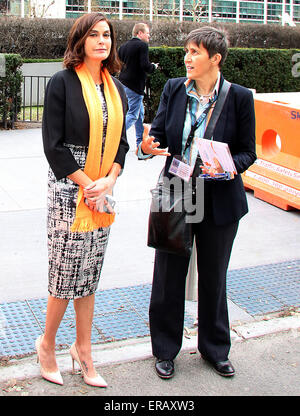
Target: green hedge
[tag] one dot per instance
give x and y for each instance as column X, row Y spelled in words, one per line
column 265, row 70
column 47, row 38
column 40, row 60
column 10, row 90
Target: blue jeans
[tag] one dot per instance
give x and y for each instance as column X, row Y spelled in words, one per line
column 135, row 113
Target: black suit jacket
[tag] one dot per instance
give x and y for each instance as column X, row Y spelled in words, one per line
column 66, row 120
column 236, row 126
column 135, row 56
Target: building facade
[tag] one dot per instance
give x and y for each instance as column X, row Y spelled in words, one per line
column 283, row 12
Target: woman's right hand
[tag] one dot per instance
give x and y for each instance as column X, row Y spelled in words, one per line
column 149, row 147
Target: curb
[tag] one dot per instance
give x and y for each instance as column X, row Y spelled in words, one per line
column 140, row 349
column 267, row 326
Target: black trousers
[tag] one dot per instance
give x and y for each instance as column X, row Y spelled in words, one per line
column 166, row 314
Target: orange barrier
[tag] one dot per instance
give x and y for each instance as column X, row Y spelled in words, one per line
column 275, row 176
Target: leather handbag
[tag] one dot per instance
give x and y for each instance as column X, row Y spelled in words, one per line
column 168, row 230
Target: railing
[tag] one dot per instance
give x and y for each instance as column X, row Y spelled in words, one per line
column 33, row 92
column 149, row 111
column 30, row 107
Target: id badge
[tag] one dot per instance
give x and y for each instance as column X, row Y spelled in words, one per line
column 181, row 169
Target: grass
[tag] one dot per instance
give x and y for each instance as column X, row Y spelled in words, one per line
column 31, row 114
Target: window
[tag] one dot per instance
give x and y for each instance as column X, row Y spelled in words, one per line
column 75, row 5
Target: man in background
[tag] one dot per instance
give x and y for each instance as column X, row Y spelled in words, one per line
column 135, row 56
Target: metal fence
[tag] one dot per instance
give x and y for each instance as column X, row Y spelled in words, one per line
column 33, row 92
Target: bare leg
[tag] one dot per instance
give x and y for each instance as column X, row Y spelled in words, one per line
column 84, row 308
column 55, row 312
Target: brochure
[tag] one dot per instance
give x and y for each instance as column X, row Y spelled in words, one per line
column 210, row 150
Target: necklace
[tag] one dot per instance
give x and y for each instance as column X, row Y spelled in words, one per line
column 205, row 98
column 205, row 95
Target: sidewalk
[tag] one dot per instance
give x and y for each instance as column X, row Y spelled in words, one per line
column 263, row 283
column 265, row 366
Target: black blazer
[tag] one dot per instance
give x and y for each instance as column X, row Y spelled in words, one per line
column 66, row 120
column 236, row 126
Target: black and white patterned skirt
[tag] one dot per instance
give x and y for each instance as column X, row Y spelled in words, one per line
column 75, row 259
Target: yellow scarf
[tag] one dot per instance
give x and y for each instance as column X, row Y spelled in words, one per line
column 86, row 219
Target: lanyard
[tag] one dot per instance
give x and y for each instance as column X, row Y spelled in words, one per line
column 197, row 124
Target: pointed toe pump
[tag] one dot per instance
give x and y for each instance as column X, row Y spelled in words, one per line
column 53, row 377
column 97, row 381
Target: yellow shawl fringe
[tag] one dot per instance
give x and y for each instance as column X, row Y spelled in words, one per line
column 85, row 219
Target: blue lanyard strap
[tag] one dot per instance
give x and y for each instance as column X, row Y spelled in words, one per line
column 197, row 123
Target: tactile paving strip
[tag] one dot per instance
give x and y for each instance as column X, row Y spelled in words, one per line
column 267, row 288
column 120, row 313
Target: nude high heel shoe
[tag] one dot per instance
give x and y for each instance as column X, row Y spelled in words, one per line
column 54, row 377
column 97, row 381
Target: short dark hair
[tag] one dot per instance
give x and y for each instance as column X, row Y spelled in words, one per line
column 74, row 54
column 212, row 39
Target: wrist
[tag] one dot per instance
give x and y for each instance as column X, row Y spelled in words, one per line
column 142, row 150
column 114, row 173
column 142, row 155
column 112, row 180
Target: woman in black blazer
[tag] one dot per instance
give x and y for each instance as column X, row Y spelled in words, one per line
column 84, row 139
column 182, row 101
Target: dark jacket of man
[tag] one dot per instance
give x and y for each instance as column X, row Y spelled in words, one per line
column 135, row 56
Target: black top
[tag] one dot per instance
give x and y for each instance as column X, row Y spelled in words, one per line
column 135, row 56
column 66, row 120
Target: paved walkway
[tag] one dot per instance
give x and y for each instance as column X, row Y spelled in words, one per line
column 263, row 283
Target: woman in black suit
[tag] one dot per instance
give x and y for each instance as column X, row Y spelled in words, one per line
column 84, row 139
column 182, row 102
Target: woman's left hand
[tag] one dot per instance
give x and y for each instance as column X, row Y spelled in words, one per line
column 212, row 171
column 98, row 189
column 208, row 169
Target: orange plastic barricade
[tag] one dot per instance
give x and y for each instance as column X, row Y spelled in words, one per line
column 275, row 176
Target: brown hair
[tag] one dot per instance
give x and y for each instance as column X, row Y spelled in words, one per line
column 74, row 54
column 212, row 39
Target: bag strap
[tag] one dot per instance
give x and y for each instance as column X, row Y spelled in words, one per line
column 161, row 175
column 217, row 110
column 196, row 125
